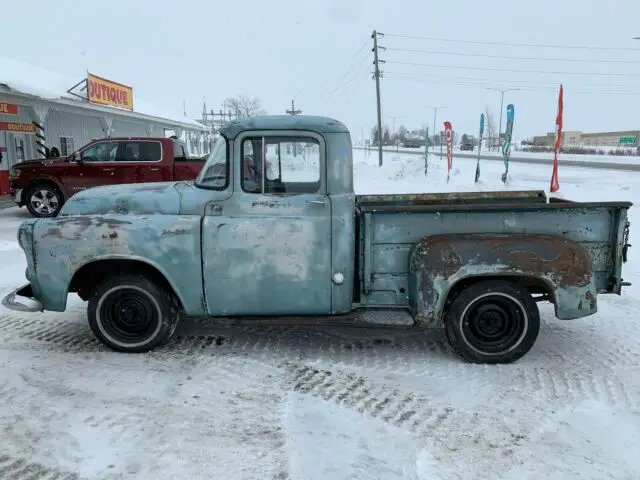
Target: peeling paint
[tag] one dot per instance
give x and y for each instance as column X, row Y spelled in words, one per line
column 439, row 262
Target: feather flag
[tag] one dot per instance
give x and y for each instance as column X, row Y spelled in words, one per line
column 555, row 184
column 506, row 143
column 479, row 146
column 426, row 151
column 448, row 133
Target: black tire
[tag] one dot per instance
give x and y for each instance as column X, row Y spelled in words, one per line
column 152, row 314
column 493, row 321
column 43, row 200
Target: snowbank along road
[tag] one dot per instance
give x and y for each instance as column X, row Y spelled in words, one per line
column 311, row 403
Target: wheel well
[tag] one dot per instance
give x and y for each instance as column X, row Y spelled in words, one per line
column 51, row 183
column 88, row 277
column 532, row 284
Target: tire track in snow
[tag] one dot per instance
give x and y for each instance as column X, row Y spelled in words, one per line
column 407, row 411
column 456, row 435
column 21, row 469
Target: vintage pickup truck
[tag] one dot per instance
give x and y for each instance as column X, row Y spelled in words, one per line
column 293, row 243
column 44, row 185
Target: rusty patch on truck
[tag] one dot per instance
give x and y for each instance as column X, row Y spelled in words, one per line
column 75, row 226
column 528, row 196
column 152, row 188
column 176, row 231
column 438, row 262
column 563, row 260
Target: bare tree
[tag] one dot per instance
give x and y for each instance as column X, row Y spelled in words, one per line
column 489, row 127
column 242, row 106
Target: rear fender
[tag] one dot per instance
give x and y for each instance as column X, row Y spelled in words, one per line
column 438, row 263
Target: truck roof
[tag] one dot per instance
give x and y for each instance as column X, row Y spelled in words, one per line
column 284, row 122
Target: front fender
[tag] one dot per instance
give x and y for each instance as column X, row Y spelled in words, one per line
column 170, row 243
column 48, row 178
column 439, row 262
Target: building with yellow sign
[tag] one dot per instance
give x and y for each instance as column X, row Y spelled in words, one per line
column 41, row 110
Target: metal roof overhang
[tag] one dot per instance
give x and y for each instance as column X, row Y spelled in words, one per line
column 73, row 106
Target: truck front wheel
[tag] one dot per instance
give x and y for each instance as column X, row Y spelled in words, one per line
column 492, row 321
column 43, row 200
column 130, row 313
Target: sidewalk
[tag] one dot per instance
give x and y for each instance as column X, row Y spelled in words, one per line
column 6, row 202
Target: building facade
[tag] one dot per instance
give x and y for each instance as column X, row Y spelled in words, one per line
column 629, row 138
column 38, row 119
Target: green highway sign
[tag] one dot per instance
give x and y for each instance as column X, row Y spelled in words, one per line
column 628, row 140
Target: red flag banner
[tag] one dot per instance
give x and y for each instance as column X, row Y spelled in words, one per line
column 448, row 133
column 555, row 184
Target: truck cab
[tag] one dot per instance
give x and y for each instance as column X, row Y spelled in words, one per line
column 271, row 230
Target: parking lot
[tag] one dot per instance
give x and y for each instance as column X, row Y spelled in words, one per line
column 313, row 403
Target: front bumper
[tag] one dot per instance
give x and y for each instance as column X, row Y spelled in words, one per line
column 16, row 193
column 26, row 302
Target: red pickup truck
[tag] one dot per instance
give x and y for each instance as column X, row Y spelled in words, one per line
column 44, row 185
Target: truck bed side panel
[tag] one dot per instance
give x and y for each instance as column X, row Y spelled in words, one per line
column 388, row 235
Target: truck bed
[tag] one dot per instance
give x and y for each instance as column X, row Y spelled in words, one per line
column 390, row 225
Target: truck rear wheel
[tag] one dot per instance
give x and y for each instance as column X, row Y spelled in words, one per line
column 130, row 313
column 492, row 321
column 43, row 200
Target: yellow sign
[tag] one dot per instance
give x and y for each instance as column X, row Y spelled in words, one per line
column 106, row 92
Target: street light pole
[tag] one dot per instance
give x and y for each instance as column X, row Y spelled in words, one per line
column 502, row 91
column 435, row 112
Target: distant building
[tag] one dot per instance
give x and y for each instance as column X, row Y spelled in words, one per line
column 597, row 139
column 567, row 138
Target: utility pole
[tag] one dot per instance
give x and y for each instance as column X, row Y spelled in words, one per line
column 293, row 110
column 435, row 112
column 501, row 90
column 376, row 75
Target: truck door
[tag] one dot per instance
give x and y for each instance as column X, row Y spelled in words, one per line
column 185, row 168
column 95, row 169
column 141, row 161
column 267, row 249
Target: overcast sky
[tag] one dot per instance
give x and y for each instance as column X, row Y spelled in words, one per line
column 315, row 52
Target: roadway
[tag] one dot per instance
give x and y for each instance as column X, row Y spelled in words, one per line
column 628, row 167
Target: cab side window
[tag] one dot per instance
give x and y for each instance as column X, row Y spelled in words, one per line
column 291, row 165
column 139, row 151
column 100, row 152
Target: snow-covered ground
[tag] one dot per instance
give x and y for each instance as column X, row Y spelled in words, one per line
column 307, row 403
column 520, row 154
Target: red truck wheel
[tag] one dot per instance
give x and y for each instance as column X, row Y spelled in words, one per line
column 493, row 321
column 43, row 200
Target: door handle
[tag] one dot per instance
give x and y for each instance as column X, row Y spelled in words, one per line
column 107, row 169
column 316, row 202
column 154, row 169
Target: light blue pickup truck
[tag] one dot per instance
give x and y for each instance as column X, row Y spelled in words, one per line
column 271, row 231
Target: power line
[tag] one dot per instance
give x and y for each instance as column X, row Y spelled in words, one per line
column 608, row 74
column 435, row 52
column 549, row 88
column 508, row 83
column 531, row 45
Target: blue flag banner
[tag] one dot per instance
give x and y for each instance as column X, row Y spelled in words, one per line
column 479, row 146
column 426, row 151
column 506, row 142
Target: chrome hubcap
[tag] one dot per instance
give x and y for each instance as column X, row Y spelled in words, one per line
column 44, row 201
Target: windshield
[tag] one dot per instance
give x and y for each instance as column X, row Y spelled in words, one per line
column 215, row 173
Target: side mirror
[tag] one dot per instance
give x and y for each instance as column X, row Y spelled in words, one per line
column 76, row 158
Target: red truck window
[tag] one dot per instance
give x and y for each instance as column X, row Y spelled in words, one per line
column 179, row 152
column 100, row 152
column 139, row 151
